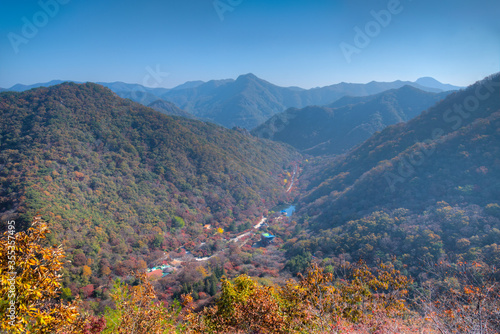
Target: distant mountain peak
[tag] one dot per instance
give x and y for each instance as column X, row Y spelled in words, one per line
column 248, row 76
column 433, row 83
column 250, row 80
column 407, row 88
column 427, row 80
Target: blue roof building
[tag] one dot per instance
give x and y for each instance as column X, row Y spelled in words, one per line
column 267, row 238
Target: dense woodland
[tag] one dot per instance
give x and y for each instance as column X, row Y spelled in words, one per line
column 120, row 183
column 399, row 235
column 449, row 152
column 350, row 298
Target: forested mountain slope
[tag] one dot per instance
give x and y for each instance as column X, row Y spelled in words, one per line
column 347, row 122
column 249, row 101
column 169, row 108
column 418, row 193
column 450, row 152
column 118, row 181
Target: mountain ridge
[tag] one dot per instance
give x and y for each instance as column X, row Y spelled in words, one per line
column 336, row 128
column 169, row 108
column 246, row 101
column 415, row 163
column 115, row 179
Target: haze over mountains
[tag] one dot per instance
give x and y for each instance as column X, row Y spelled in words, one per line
column 249, row 101
column 449, row 152
column 126, row 187
column 349, row 121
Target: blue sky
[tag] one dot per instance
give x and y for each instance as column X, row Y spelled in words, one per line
column 289, row 43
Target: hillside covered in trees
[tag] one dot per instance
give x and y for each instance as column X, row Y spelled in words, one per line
column 349, row 121
column 425, row 190
column 408, row 218
column 119, row 183
column 351, row 298
column 449, row 152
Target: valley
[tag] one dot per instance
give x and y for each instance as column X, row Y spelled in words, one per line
column 189, row 257
column 249, row 167
column 189, row 204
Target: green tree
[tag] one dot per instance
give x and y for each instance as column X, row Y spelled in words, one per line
column 138, row 311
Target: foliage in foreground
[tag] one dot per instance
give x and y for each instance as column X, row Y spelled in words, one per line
column 366, row 299
column 29, row 276
column 137, row 311
column 461, row 298
column 468, row 298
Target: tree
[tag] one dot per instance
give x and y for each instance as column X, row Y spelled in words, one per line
column 29, row 276
column 178, row 222
column 299, row 263
column 493, row 209
column 212, row 285
column 105, row 271
column 86, row 271
column 462, row 298
column 137, row 310
column 365, row 300
column 243, row 307
column 359, row 295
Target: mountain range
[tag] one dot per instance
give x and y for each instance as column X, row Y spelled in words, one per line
column 448, row 153
column 124, row 187
column 249, row 101
column 115, row 178
column 168, row 108
column 349, row 121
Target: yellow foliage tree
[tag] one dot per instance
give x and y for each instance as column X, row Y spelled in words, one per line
column 318, row 303
column 86, row 271
column 244, row 307
column 30, row 283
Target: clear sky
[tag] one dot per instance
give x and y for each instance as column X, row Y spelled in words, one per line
column 289, row 43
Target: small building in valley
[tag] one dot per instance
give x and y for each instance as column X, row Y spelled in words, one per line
column 267, row 238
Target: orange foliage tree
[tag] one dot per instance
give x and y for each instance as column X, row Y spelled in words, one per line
column 366, row 300
column 462, row 298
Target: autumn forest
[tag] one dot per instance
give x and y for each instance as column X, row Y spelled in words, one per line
column 119, row 218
